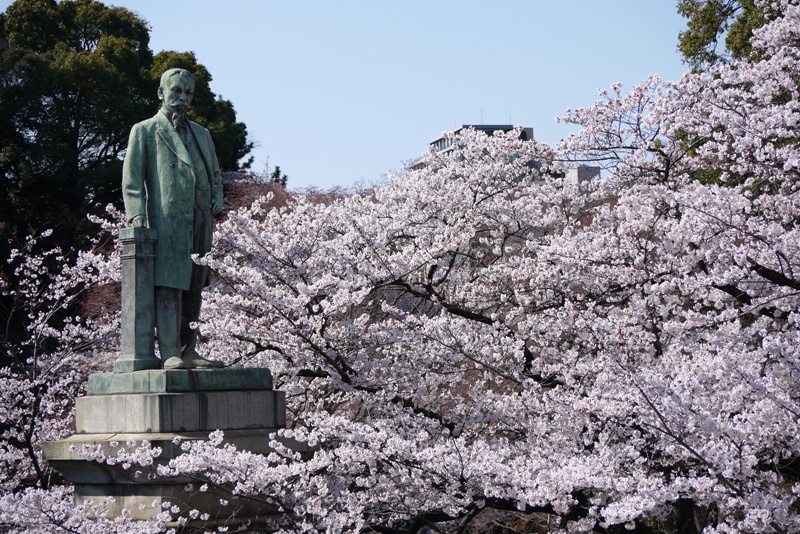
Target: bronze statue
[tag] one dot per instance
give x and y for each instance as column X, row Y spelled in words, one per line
column 172, row 182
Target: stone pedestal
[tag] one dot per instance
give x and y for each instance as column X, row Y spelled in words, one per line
column 137, row 346
column 159, row 406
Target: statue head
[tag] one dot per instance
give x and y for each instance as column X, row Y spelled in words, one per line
column 176, row 90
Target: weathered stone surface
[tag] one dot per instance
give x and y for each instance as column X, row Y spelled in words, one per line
column 180, row 412
column 180, row 380
column 138, row 490
column 124, row 409
column 252, row 440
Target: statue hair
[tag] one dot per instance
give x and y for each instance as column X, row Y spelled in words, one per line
column 169, row 73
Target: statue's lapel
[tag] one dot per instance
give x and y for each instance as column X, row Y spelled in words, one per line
column 171, row 138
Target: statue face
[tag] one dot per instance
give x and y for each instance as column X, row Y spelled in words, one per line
column 177, row 94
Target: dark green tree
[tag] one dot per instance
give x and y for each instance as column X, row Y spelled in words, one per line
column 277, row 177
column 74, row 78
column 213, row 112
column 717, row 30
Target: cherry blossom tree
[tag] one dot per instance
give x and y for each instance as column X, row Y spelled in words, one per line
column 44, row 374
column 483, row 334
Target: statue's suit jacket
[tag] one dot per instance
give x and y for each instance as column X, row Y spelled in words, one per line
column 159, row 180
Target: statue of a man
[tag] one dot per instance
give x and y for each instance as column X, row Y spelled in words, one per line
column 171, row 182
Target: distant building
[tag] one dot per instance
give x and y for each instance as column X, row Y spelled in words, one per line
column 581, row 173
column 444, row 143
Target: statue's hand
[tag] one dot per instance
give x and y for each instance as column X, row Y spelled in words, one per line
column 138, row 221
column 216, row 208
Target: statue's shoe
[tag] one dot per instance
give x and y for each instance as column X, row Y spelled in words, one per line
column 192, row 360
column 175, row 362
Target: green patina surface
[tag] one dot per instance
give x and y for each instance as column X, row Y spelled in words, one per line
column 137, row 349
column 129, row 234
column 179, row 381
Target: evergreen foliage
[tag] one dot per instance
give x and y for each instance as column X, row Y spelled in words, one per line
column 715, row 24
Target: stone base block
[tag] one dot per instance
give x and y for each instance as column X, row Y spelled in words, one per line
column 179, row 381
column 139, row 490
column 180, row 412
column 124, row 409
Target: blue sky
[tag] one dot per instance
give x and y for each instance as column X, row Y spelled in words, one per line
column 342, row 92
